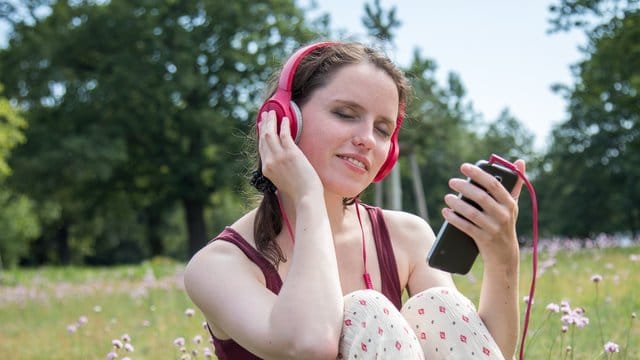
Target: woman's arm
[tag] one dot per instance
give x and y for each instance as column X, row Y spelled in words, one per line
column 302, row 321
column 305, row 319
column 493, row 230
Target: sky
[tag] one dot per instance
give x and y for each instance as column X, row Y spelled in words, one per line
column 500, row 49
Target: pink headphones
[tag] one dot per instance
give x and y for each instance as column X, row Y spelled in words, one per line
column 282, row 104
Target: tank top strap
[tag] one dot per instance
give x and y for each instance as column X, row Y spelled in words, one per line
column 271, row 276
column 386, row 257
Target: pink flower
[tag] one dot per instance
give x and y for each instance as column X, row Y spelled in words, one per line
column 116, row 343
column 72, row 328
column 207, row 353
column 611, row 347
column 197, row 339
column 596, row 278
column 552, row 307
column 126, row 338
column 128, row 347
column 83, row 320
column 178, row 341
column 112, row 355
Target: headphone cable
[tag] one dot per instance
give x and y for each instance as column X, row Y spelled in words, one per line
column 534, row 205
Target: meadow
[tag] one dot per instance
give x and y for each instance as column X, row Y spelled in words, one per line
column 142, row 312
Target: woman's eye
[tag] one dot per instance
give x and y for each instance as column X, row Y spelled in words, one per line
column 383, row 131
column 343, row 115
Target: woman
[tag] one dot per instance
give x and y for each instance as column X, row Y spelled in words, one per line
column 312, row 273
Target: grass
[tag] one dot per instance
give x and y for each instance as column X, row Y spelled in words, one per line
column 76, row 312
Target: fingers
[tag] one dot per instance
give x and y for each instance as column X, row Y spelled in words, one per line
column 520, row 165
column 268, row 130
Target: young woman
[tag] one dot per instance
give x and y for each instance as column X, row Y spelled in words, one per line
column 312, row 273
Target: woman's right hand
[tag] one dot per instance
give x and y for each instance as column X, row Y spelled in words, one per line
column 282, row 160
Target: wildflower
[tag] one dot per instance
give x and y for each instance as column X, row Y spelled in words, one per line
column 178, row 341
column 207, row 353
column 126, row 338
column 611, row 347
column 553, row 307
column 205, row 325
column 146, row 323
column 82, row 320
column 116, row 343
column 596, row 278
column 526, row 300
column 189, row 312
column 97, row 308
column 633, row 315
column 112, row 355
column 197, row 339
column 128, row 347
column 565, row 328
column 72, row 328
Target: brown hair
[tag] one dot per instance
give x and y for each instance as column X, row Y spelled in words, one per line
column 314, row 72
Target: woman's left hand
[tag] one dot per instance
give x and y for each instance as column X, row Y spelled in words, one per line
column 494, row 227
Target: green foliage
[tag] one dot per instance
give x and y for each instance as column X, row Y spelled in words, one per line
column 136, row 109
column 597, row 150
column 11, row 132
column 18, row 223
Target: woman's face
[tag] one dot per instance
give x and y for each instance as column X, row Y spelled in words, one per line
column 347, row 127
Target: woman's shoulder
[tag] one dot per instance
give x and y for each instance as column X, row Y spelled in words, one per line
column 404, row 220
column 217, row 252
column 408, row 228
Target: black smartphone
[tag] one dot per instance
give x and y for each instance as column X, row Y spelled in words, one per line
column 454, row 251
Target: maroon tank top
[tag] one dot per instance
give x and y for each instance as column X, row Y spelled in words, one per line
column 229, row 349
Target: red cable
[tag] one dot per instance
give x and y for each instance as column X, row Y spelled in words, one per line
column 534, row 206
column 365, row 275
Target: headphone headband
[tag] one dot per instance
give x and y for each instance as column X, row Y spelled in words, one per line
column 289, row 69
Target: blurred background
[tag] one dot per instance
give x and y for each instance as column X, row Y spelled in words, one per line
column 124, row 126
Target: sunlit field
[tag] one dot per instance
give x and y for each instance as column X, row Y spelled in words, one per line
column 142, row 311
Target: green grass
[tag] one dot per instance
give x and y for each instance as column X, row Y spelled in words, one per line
column 148, row 303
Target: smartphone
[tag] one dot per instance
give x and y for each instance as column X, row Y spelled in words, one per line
column 454, row 251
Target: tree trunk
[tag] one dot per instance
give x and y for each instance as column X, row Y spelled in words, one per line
column 378, row 195
column 417, row 187
column 194, row 214
column 62, row 244
column 394, row 189
column 154, row 220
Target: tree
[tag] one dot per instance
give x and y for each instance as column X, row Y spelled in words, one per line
column 138, row 107
column 593, row 166
column 18, row 224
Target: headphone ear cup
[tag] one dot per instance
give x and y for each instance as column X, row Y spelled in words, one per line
column 280, row 109
column 296, row 122
column 392, row 156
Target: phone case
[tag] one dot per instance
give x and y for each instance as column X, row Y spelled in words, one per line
column 454, row 251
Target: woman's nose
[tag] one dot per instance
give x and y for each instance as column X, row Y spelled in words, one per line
column 364, row 137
